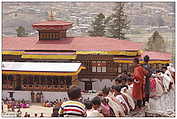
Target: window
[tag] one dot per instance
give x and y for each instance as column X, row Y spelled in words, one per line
column 98, row 66
column 93, row 69
column 130, row 67
column 103, row 69
column 125, row 67
column 56, row 34
column 99, row 69
column 120, row 68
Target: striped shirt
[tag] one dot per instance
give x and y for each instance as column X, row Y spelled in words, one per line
column 72, row 108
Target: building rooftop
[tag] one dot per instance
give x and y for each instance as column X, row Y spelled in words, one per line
column 157, row 55
column 49, row 24
column 70, row 43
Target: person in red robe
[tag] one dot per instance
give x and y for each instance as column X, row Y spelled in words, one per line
column 138, row 84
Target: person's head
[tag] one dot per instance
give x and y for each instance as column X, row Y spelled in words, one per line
column 88, row 104
column 135, row 61
column 100, row 93
column 167, row 65
column 35, row 114
column 55, row 110
column 105, row 101
column 124, row 73
column 112, row 88
column 146, row 59
column 124, row 80
column 74, row 92
column 164, row 69
column 105, row 91
column 118, row 80
column 42, row 114
column 118, row 90
column 26, row 113
column 130, row 81
column 96, row 102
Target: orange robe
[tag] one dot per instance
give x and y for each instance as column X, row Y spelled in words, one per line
column 138, row 85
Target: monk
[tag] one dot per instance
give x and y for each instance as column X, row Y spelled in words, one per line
column 147, row 79
column 138, row 85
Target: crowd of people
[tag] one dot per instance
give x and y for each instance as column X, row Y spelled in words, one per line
column 55, row 103
column 36, row 97
column 13, row 104
column 131, row 92
column 35, row 115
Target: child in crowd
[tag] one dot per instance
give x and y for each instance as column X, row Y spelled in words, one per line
column 88, row 106
column 72, row 107
column 94, row 112
column 105, row 109
column 55, row 112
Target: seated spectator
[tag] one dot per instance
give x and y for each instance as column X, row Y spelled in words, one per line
column 88, row 105
column 116, row 108
column 55, row 112
column 72, row 107
column 59, row 103
column 105, row 108
column 122, row 99
column 26, row 114
column 35, row 115
column 42, row 115
column 19, row 112
column 94, row 112
column 118, row 81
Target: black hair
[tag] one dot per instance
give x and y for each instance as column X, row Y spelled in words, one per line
column 88, row 104
column 118, row 88
column 125, row 72
column 146, row 58
column 136, row 60
column 74, row 92
column 129, row 79
column 119, row 79
column 158, row 71
column 106, row 90
column 55, row 109
column 96, row 101
column 124, row 86
column 105, row 100
column 167, row 64
column 113, row 87
column 164, row 67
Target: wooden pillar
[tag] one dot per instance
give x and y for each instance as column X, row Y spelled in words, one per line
column 65, row 86
column 74, row 80
column 22, row 77
column 14, row 82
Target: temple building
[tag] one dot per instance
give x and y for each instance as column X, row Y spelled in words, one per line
column 52, row 61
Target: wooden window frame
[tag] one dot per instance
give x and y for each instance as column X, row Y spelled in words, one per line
column 101, row 67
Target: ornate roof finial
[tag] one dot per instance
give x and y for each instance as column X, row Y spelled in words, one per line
column 51, row 14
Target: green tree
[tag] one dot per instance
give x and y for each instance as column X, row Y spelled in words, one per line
column 21, row 31
column 98, row 26
column 118, row 23
column 156, row 43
